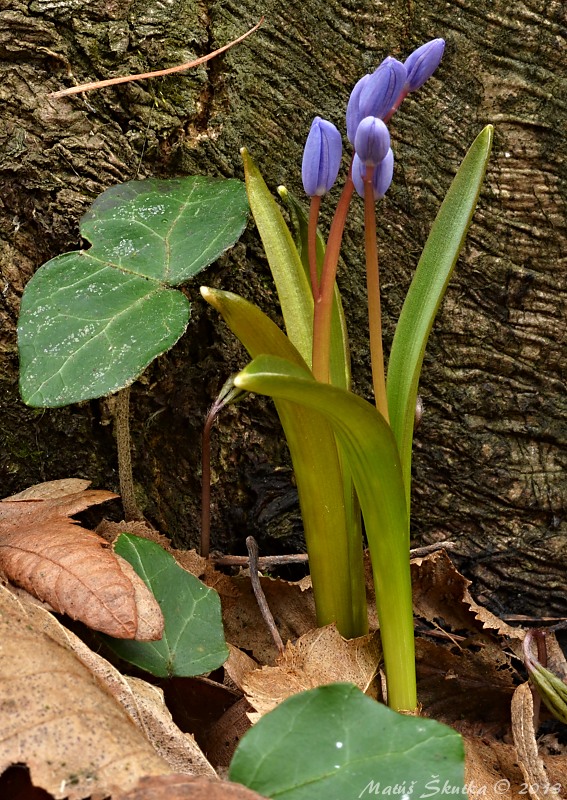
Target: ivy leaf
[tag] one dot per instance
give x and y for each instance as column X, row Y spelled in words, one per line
column 92, row 320
column 334, row 741
column 193, row 639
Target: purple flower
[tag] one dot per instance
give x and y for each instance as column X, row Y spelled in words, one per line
column 372, row 140
column 321, row 157
column 423, row 62
column 381, row 179
column 376, row 94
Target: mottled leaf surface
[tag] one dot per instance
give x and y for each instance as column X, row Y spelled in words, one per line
column 92, row 320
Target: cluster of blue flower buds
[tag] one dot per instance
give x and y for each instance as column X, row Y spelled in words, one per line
column 373, row 101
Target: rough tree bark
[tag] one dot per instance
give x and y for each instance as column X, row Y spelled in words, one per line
column 490, row 453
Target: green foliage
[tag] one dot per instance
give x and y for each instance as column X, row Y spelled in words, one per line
column 193, row 641
column 426, row 292
column 335, row 742
column 364, row 447
column 92, row 320
column 335, row 547
column 369, row 446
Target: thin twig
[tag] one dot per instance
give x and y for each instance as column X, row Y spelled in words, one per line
column 264, row 562
column 206, row 484
column 228, row 394
column 124, row 447
column 252, row 548
column 87, row 87
column 419, row 552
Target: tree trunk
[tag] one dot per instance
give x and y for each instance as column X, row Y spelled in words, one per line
column 489, row 460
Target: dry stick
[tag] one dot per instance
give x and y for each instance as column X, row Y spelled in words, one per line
column 252, row 548
column 264, row 562
column 267, row 562
column 228, row 394
column 419, row 552
column 206, row 483
column 87, row 87
column 123, row 445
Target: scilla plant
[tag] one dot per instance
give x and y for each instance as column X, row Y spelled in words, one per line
column 351, row 456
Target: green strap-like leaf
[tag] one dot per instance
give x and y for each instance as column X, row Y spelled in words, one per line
column 292, row 284
column 335, row 551
column 368, row 443
column 426, row 292
column 92, row 320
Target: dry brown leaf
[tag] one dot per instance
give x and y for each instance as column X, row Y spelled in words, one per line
column 492, row 772
column 142, row 702
column 238, row 665
column 73, row 569
column 473, row 682
column 50, row 489
column 180, row 787
column 319, row 657
column 292, row 608
column 137, row 527
column 529, row 760
column 224, row 735
column 490, row 769
column 56, row 718
column 441, row 595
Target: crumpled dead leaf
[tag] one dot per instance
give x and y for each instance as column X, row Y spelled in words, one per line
column 319, row 657
column 56, row 717
column 143, row 702
column 529, row 760
column 71, row 568
column 180, row 787
column 293, row 610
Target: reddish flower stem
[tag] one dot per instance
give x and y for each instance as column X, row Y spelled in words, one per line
column 312, row 243
column 324, row 299
column 373, row 290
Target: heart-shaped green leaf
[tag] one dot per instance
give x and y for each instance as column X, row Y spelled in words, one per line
column 335, row 742
column 193, row 638
column 92, row 320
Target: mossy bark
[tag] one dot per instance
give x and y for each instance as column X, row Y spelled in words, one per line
column 490, row 457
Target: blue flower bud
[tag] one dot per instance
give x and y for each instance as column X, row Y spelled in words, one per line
column 423, row 62
column 375, row 95
column 372, row 140
column 381, row 179
column 353, row 116
column 321, row 157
